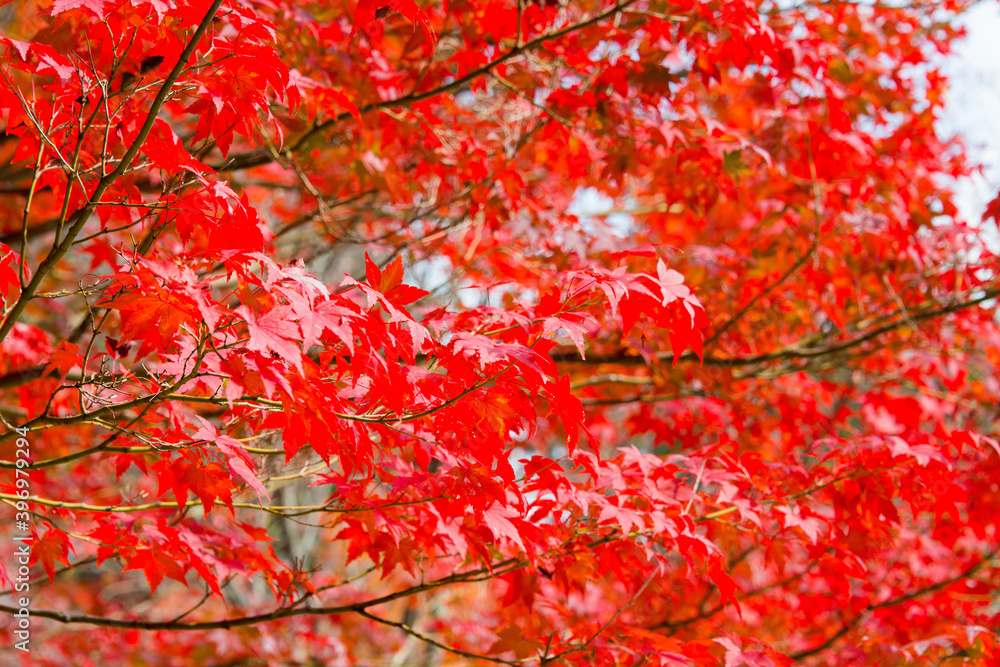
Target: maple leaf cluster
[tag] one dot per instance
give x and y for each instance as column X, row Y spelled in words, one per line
column 520, row 332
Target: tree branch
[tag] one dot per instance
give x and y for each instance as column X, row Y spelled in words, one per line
column 81, row 217
column 262, row 157
column 847, row 627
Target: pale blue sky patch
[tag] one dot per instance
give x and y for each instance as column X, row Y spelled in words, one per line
column 972, row 111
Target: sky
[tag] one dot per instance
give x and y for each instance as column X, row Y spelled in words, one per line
column 972, row 111
column 972, row 108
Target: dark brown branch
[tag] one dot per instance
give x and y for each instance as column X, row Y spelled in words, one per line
column 787, row 353
column 262, row 157
column 433, row 642
column 848, row 626
column 278, row 614
column 490, row 572
column 81, row 217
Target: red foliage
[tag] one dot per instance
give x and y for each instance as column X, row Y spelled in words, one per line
column 313, row 352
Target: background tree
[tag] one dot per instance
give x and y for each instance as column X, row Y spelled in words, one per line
column 318, row 360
